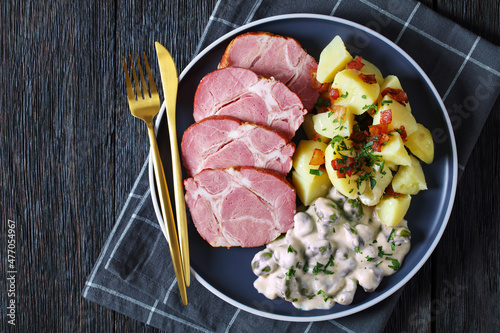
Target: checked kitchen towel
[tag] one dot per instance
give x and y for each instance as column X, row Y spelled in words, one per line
column 131, row 275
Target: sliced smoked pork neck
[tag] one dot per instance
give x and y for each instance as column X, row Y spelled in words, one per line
column 240, row 93
column 222, row 142
column 282, row 58
column 245, row 206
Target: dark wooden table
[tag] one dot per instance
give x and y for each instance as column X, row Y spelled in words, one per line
column 70, row 152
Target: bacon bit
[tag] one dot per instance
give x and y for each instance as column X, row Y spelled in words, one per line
column 386, row 117
column 379, row 143
column 344, row 168
column 316, row 137
column 334, row 94
column 402, row 132
column 358, row 137
column 370, row 78
column 356, row 64
column 324, row 87
column 338, row 111
column 318, row 157
column 314, row 81
column 389, row 190
column 396, row 94
column 377, row 130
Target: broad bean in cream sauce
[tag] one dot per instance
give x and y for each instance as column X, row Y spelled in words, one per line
column 336, row 244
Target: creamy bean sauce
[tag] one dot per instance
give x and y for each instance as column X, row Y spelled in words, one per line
column 336, row 244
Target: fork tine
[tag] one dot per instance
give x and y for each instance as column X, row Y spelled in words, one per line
column 143, row 80
column 136, row 81
column 128, row 83
column 152, row 86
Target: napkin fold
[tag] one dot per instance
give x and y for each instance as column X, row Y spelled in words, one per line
column 133, row 274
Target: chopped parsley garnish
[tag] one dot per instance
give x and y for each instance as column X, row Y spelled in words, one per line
column 345, row 95
column 290, row 249
column 386, row 102
column 391, row 238
column 368, row 258
column 363, row 97
column 381, row 252
column 322, row 293
column 315, row 172
column 291, row 272
column 395, row 263
column 371, row 107
column 317, row 268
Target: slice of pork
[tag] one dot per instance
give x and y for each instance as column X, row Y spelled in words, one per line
column 240, row 93
column 245, row 206
column 275, row 56
column 222, row 142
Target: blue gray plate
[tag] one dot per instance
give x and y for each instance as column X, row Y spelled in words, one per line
column 227, row 272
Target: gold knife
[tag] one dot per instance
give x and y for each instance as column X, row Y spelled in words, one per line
column 170, row 82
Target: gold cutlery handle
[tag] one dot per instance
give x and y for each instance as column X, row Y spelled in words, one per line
column 168, row 216
column 180, row 203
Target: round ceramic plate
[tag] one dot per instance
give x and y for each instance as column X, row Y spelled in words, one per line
column 227, row 272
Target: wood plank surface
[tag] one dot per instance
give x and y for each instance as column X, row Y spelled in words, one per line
column 70, row 152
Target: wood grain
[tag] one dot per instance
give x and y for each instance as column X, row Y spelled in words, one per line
column 71, row 151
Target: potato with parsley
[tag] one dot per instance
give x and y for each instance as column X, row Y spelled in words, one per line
column 337, row 121
column 400, row 115
column 355, row 90
column 310, row 188
column 368, row 122
column 309, row 177
column 381, row 178
column 309, row 128
column 394, row 151
column 340, row 164
column 308, row 157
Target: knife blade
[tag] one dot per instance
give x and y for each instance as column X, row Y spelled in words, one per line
column 170, row 81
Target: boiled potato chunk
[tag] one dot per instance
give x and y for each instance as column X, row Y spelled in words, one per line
column 334, row 123
column 370, row 68
column 355, row 94
column 409, row 179
column 394, row 151
column 348, row 186
column 420, row 144
column 302, row 157
column 311, row 133
column 392, row 166
column 382, row 179
column 332, row 59
column 308, row 191
column 401, row 115
column 391, row 81
column 391, row 210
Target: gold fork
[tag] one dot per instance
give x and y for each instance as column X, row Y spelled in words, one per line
column 145, row 107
